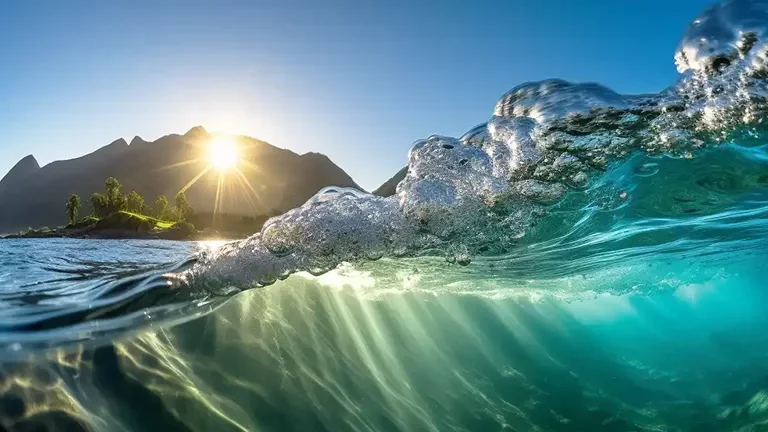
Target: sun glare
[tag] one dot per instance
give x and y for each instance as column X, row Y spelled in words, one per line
column 223, row 153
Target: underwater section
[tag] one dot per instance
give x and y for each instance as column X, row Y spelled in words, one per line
column 311, row 354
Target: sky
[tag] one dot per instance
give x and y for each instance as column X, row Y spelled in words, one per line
column 359, row 81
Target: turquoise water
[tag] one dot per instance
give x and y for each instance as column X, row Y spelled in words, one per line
column 336, row 353
column 582, row 261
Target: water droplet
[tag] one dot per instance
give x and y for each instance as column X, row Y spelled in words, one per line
column 267, row 282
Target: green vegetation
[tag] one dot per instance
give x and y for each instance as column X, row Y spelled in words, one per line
column 73, row 207
column 41, row 232
column 161, row 206
column 183, row 209
column 83, row 223
column 100, row 205
column 112, row 210
column 157, row 223
column 125, row 221
column 135, row 203
column 115, row 200
column 112, row 202
column 114, row 214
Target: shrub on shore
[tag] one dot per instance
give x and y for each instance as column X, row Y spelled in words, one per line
column 125, row 221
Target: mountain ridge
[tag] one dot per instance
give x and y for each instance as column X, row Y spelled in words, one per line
column 23, row 167
column 269, row 179
column 389, row 187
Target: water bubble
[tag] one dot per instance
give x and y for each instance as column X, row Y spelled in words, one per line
column 400, row 251
column 647, row 169
column 267, row 282
column 578, row 180
column 487, row 189
column 318, row 271
column 278, row 242
column 463, row 260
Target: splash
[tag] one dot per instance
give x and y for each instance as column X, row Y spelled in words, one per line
column 552, row 160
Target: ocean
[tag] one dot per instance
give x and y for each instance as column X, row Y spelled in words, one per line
column 340, row 352
column 583, row 261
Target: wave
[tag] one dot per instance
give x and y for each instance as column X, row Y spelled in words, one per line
column 569, row 173
column 568, row 191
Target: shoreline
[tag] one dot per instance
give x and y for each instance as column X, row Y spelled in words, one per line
column 92, row 233
column 124, row 225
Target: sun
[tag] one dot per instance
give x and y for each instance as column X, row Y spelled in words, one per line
column 223, row 153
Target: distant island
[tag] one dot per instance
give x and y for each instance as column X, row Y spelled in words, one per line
column 118, row 216
column 206, row 202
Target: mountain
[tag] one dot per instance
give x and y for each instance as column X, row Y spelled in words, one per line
column 389, row 187
column 24, row 167
column 269, row 179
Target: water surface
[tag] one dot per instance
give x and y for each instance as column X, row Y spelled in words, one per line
column 335, row 353
column 582, row 261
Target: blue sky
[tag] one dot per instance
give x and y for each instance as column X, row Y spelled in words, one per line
column 358, row 81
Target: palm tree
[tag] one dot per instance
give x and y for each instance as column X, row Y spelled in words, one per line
column 182, row 206
column 115, row 200
column 135, row 202
column 100, row 205
column 161, row 205
column 73, row 207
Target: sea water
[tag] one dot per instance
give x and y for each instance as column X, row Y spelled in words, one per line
column 345, row 352
column 581, row 261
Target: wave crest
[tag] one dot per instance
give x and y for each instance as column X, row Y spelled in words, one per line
column 554, row 158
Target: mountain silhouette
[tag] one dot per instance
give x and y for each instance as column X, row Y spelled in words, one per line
column 389, row 187
column 269, row 180
column 24, row 167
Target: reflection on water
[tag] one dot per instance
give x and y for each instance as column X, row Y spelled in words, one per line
column 305, row 357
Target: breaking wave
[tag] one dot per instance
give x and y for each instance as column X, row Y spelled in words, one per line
column 568, row 191
column 565, row 181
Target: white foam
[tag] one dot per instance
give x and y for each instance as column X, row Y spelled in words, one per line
column 480, row 193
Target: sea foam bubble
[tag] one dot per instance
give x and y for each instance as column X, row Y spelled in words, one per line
column 481, row 193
